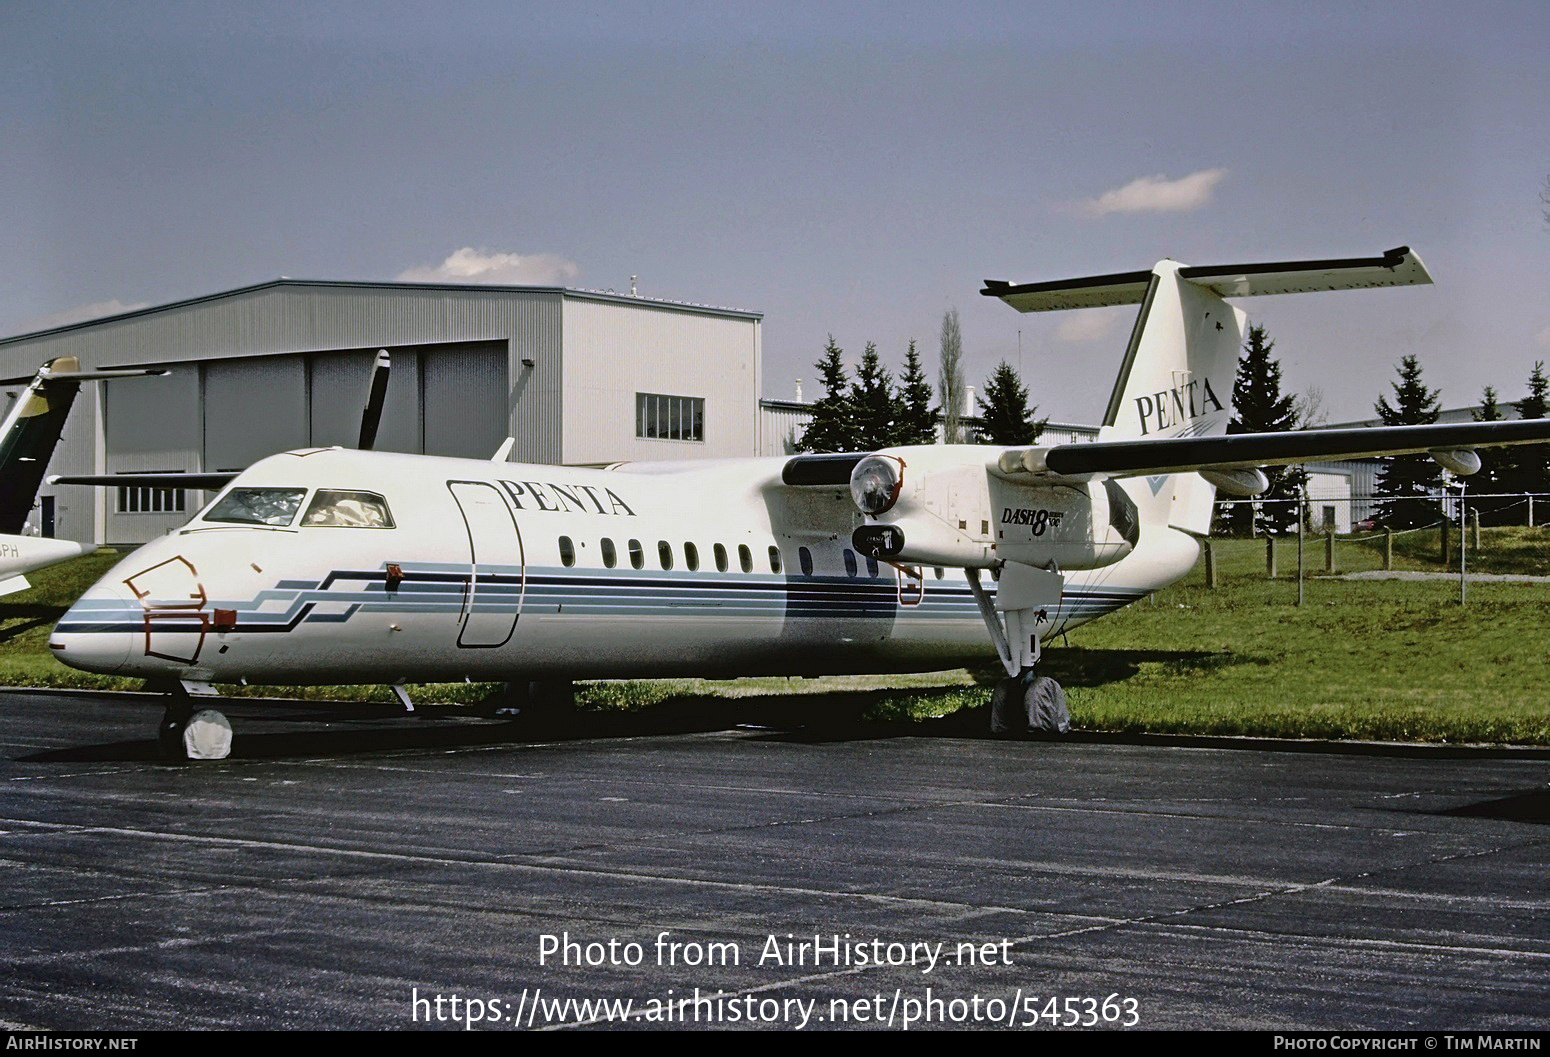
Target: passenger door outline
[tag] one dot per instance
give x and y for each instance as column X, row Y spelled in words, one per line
column 490, row 607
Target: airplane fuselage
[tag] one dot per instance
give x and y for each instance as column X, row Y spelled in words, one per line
column 334, row 566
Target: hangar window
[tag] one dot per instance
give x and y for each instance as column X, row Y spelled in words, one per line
column 660, row 417
column 567, row 552
column 134, row 499
column 691, row 557
column 610, row 556
column 257, row 506
column 665, row 553
column 637, row 555
column 745, row 557
column 721, row 557
column 331, row 508
column 774, row 559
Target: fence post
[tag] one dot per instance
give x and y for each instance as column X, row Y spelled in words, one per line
column 1329, row 549
column 1443, row 536
column 1210, row 565
column 1474, row 528
column 1463, row 552
column 1388, row 549
column 1302, row 524
column 1270, row 557
column 1531, row 511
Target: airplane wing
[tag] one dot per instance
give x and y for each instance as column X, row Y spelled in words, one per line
column 1138, row 458
column 208, row 482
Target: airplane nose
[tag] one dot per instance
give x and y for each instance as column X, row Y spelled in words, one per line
column 97, row 633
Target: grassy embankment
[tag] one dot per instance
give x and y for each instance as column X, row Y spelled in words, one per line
column 1384, row 660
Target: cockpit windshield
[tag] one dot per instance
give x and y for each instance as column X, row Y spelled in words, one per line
column 332, row 508
column 257, row 506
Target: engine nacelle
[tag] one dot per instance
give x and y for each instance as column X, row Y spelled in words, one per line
column 947, row 506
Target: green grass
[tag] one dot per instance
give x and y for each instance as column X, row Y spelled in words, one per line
column 1381, row 660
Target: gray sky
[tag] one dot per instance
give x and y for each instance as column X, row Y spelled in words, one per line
column 853, row 169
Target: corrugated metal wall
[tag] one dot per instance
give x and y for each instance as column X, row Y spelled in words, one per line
column 284, row 365
column 617, row 348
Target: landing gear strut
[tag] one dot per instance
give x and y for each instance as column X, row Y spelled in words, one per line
column 1026, row 701
column 187, row 733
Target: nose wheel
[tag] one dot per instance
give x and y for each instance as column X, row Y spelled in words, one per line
column 187, row 733
column 1028, row 703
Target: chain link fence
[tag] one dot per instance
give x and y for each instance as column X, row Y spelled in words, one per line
column 1475, row 549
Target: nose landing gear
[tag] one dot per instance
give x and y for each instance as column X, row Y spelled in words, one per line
column 187, row 733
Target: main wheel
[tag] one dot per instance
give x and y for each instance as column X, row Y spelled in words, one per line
column 1007, row 718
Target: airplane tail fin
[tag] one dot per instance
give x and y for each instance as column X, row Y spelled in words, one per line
column 1181, row 362
column 28, row 436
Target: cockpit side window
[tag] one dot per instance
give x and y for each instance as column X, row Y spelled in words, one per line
column 257, row 506
column 332, row 508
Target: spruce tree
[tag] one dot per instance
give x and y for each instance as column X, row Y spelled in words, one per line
column 1489, row 482
column 1005, row 417
column 917, row 418
column 1526, row 465
column 1259, row 406
column 833, row 425
column 875, row 404
column 1407, row 484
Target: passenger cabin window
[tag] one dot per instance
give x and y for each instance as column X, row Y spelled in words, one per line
column 610, row 556
column 721, row 557
column 805, row 556
column 637, row 555
column 871, row 567
column 665, row 553
column 850, row 563
column 567, row 552
column 774, row 559
column 745, row 557
column 257, row 506
column 691, row 557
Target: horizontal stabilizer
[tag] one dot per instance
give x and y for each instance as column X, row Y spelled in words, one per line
column 1396, row 267
column 49, row 374
column 1134, row 458
column 206, row 482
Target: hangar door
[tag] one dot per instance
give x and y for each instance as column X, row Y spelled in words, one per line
column 253, row 408
column 442, row 399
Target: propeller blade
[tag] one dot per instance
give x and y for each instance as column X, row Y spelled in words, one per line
column 372, row 417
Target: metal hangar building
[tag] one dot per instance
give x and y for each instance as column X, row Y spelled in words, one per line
column 576, row 377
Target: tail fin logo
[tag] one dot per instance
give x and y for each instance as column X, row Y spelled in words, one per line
column 1171, row 407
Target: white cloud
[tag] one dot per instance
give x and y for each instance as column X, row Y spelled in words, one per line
column 469, row 265
column 79, row 314
column 1089, row 325
column 1157, row 194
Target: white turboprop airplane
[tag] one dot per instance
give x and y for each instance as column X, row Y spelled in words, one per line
column 332, row 565
column 28, row 436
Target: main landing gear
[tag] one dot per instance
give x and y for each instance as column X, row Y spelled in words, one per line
column 189, row 733
column 1025, row 701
